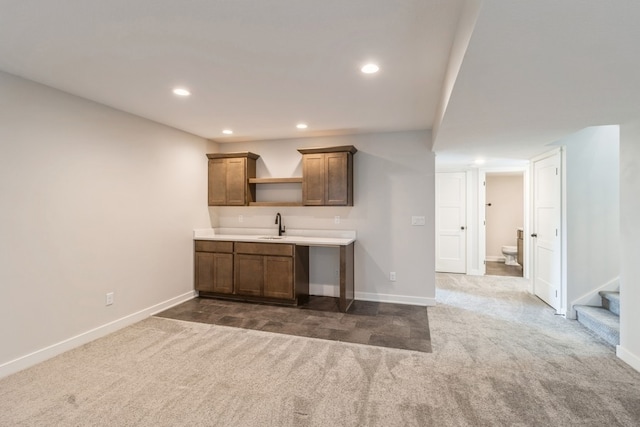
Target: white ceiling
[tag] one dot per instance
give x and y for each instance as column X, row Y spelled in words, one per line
column 256, row 66
column 533, row 71
column 536, row 71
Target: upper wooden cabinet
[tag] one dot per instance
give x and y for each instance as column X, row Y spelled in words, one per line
column 327, row 176
column 229, row 175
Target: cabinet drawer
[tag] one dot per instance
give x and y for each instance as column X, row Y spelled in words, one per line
column 213, row 246
column 264, row 248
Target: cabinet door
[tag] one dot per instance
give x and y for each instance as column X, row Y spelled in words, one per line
column 214, row 272
column 313, row 179
column 217, row 182
column 204, row 271
column 278, row 277
column 223, row 273
column 236, row 182
column 337, row 179
column 249, row 274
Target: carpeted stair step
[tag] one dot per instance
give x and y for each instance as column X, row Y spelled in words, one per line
column 611, row 301
column 601, row 321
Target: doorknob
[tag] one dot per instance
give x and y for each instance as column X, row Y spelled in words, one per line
column 534, row 235
column 462, row 227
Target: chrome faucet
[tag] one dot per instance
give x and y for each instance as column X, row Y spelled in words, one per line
column 281, row 228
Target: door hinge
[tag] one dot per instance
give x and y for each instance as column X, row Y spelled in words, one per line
column 556, row 294
column 556, row 232
column 556, row 171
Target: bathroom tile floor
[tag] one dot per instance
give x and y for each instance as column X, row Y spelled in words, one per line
column 371, row 323
column 494, row 268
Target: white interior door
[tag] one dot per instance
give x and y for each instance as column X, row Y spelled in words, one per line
column 451, row 214
column 546, row 236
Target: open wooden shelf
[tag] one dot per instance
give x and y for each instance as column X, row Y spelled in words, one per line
column 297, row 180
column 327, row 180
column 275, row 204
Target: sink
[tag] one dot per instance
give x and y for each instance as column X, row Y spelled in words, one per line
column 271, row 237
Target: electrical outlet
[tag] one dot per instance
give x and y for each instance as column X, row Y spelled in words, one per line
column 109, row 298
column 392, row 276
column 336, row 219
column 418, row 220
column 240, row 218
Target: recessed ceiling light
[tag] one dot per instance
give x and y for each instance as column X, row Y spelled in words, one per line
column 227, row 131
column 302, row 126
column 370, row 69
column 181, row 91
column 479, row 161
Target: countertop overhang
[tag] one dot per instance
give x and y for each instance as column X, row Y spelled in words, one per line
column 294, row 236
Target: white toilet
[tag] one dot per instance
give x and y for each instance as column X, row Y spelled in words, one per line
column 510, row 253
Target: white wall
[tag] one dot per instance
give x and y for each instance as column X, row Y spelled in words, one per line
column 93, row 201
column 394, row 179
column 629, row 348
column 592, row 210
column 505, row 192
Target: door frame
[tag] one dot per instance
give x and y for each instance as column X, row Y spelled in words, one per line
column 526, row 210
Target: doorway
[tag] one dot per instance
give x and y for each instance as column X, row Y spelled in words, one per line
column 504, row 223
column 451, row 212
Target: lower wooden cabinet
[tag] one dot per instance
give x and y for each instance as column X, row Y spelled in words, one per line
column 249, row 274
column 278, row 277
column 214, row 272
column 267, row 276
column 254, row 271
column 214, row 267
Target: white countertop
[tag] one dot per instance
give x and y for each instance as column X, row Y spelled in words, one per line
column 294, row 236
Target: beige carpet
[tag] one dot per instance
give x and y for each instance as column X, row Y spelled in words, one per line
column 500, row 357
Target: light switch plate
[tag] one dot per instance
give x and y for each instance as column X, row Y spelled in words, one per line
column 418, row 220
column 336, row 219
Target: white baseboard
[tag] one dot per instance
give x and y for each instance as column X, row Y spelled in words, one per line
column 494, row 258
column 53, row 350
column 397, row 299
column 324, row 290
column 627, row 357
column 334, row 291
